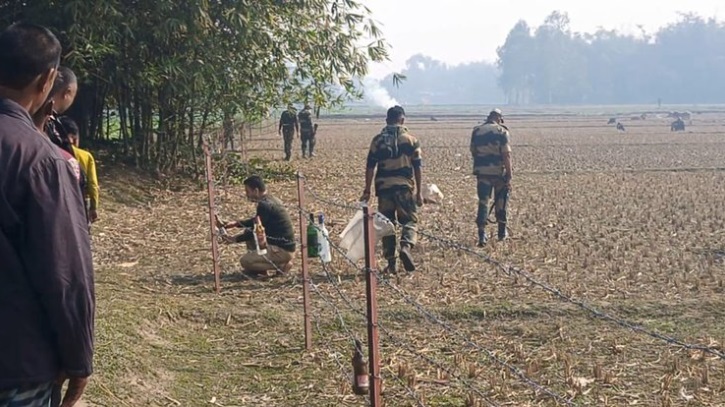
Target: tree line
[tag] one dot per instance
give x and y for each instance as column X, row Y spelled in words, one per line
column 683, row 62
column 158, row 74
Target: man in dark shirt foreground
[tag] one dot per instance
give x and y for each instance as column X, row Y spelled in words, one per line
column 47, row 299
column 278, row 228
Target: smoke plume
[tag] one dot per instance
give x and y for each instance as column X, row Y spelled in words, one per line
column 377, row 95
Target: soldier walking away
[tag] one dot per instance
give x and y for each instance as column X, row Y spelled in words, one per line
column 491, row 153
column 397, row 156
column 307, row 131
column 288, row 128
column 678, row 125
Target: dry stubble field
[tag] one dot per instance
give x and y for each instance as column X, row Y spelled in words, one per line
column 632, row 224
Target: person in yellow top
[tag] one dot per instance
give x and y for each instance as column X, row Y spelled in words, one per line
column 88, row 166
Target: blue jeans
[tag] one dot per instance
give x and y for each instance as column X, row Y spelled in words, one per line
column 29, row 396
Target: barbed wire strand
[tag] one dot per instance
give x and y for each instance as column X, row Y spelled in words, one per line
column 510, row 270
column 412, row 392
column 335, row 355
column 438, row 365
column 402, row 344
column 340, row 317
column 451, row 330
column 433, row 318
column 427, row 313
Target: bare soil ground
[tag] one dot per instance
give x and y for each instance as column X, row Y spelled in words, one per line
column 632, row 224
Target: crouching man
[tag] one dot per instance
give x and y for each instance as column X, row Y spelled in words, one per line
column 278, row 228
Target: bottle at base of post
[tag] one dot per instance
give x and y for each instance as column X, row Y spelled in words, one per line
column 360, row 382
column 363, row 381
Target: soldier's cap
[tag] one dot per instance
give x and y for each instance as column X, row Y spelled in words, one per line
column 290, row 106
column 307, row 106
column 496, row 112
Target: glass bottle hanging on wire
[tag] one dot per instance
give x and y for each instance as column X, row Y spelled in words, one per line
column 313, row 243
column 360, row 381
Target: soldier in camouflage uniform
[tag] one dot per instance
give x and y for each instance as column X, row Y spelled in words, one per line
column 397, row 156
column 307, row 131
column 288, row 127
column 491, row 153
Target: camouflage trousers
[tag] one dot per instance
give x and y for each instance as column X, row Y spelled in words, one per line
column 289, row 136
column 398, row 206
column 488, row 185
column 308, row 141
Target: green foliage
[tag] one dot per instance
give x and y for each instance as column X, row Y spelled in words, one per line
column 398, row 79
column 231, row 169
column 171, row 68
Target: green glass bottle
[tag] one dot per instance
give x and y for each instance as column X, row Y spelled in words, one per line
column 313, row 242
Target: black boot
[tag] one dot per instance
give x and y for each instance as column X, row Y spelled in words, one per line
column 407, row 258
column 502, row 233
column 392, row 267
column 482, row 238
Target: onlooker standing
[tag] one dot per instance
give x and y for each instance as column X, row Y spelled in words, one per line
column 47, row 299
column 88, row 166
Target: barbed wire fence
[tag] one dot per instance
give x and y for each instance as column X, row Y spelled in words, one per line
column 406, row 381
column 438, row 321
column 513, row 271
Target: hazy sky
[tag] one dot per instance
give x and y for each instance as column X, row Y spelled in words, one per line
column 458, row 31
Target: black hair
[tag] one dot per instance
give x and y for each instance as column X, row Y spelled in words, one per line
column 395, row 113
column 70, row 125
column 26, row 51
column 255, row 182
column 65, row 78
column 56, row 131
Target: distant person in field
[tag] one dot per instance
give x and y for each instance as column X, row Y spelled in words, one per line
column 277, row 225
column 47, row 299
column 678, row 125
column 308, row 130
column 396, row 155
column 289, row 126
column 491, row 151
column 88, row 166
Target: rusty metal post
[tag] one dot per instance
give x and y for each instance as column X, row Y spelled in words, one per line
column 372, row 308
column 305, row 272
column 212, row 212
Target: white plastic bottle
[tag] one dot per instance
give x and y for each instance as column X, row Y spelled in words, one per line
column 323, row 238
